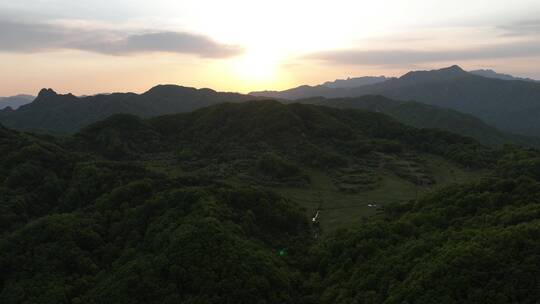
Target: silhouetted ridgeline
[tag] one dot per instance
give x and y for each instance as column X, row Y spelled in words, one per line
column 64, row 114
column 15, row 102
column 56, row 113
column 512, row 106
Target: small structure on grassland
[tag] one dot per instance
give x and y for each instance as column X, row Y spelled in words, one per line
column 314, row 219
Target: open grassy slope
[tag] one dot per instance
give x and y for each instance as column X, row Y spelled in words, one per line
column 338, row 161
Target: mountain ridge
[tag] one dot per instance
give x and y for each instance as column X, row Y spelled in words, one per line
column 513, row 106
column 67, row 113
column 422, row 115
column 489, row 73
column 14, row 102
column 354, row 81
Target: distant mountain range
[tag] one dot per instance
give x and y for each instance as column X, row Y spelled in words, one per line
column 61, row 114
column 16, row 101
column 65, row 114
column 492, row 74
column 367, row 80
column 354, row 82
column 512, row 106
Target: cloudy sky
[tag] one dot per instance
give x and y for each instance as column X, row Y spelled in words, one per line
column 87, row 47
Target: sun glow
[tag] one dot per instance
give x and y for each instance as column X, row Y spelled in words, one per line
column 256, row 66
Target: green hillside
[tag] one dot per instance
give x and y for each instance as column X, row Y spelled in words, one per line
column 58, row 114
column 216, row 206
column 422, row 115
column 471, row 243
column 354, row 158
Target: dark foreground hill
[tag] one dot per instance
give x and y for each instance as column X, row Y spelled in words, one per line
column 54, row 113
column 303, row 132
column 318, row 156
column 473, row 243
column 512, row 106
column 214, row 206
column 80, row 230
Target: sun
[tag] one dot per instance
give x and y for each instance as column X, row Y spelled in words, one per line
column 256, row 66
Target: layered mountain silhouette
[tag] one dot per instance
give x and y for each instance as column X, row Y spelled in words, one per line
column 492, row 74
column 57, row 113
column 64, row 114
column 513, row 106
column 354, row 82
column 16, row 101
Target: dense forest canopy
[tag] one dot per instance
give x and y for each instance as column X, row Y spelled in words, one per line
column 213, row 206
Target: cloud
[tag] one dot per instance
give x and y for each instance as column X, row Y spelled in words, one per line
column 408, row 56
column 523, row 28
column 37, row 37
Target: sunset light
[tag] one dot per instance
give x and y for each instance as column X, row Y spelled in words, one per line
column 269, row 152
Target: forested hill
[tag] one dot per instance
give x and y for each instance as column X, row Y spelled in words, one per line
column 470, row 243
column 62, row 114
column 422, row 115
column 512, row 106
column 59, row 114
column 214, row 206
column 300, row 130
column 77, row 229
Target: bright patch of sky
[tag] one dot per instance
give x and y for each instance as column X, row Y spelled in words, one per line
column 241, row 45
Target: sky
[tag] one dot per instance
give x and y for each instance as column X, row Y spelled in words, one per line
column 98, row 46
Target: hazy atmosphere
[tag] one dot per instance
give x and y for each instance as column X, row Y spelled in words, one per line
column 87, row 47
column 269, row 152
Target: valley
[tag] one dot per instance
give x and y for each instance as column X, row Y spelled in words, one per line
column 269, row 152
column 196, row 206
